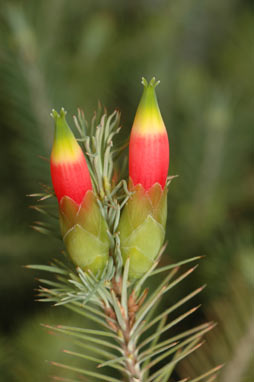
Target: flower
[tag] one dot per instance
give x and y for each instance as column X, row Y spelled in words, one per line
column 69, row 171
column 142, row 224
column 149, row 146
column 83, row 227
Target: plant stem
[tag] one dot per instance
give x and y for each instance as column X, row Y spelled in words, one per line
column 130, row 352
column 123, row 327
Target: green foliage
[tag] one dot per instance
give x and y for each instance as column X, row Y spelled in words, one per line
column 118, row 312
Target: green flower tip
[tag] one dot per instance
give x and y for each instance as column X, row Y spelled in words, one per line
column 153, row 83
column 61, row 116
column 148, row 103
column 62, row 129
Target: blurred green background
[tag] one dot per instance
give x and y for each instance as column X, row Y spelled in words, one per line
column 57, row 53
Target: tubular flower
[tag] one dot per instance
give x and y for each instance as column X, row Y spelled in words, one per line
column 69, row 171
column 142, row 224
column 83, row 228
column 149, row 147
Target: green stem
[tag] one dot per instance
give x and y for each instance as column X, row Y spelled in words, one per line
column 124, row 330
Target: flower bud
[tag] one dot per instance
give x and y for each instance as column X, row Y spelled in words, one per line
column 83, row 228
column 69, row 171
column 149, row 147
column 142, row 224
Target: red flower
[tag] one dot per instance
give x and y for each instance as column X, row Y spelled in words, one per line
column 69, row 171
column 149, row 146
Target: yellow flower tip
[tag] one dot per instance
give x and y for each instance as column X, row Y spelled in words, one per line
column 65, row 147
column 148, row 119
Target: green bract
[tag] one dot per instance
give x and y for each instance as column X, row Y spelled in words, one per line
column 142, row 227
column 84, row 233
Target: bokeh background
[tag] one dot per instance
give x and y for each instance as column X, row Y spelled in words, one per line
column 57, row 53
